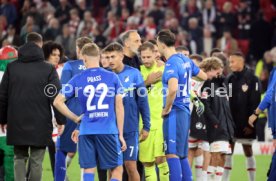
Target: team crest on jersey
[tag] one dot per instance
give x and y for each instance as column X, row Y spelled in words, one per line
column 82, row 67
column 126, row 79
column 199, row 125
column 244, row 87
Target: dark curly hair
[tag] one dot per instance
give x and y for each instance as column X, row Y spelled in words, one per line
column 48, row 48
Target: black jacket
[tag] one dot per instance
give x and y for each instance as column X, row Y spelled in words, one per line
column 217, row 111
column 244, row 98
column 24, row 106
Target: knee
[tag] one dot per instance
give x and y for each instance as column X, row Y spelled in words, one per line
column 131, row 167
column 148, row 164
column 248, row 151
column 71, row 154
column 160, row 160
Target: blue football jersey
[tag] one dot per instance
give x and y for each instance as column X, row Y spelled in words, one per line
column 70, row 69
column 133, row 84
column 95, row 88
column 182, row 68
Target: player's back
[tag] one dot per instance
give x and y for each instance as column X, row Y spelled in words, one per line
column 96, row 89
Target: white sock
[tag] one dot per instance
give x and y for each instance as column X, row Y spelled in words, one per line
column 227, row 167
column 203, row 176
column 251, row 167
column 198, row 167
column 211, row 173
column 68, row 161
column 219, row 173
column 82, row 171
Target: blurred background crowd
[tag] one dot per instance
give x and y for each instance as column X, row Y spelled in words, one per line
column 200, row 25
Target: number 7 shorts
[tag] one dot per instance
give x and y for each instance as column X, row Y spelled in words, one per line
column 132, row 142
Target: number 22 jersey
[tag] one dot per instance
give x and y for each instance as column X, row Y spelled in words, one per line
column 96, row 89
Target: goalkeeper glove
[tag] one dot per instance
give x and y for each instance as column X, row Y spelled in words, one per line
column 199, row 106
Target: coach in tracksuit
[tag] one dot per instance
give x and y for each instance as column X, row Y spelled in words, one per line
column 244, row 96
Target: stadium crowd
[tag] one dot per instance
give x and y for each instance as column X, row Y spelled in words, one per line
column 208, row 48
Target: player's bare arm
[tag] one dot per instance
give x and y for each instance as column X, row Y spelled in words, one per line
column 120, row 119
column 59, row 103
column 201, row 76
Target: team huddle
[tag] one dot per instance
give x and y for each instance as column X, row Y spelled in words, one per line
column 133, row 116
column 130, row 115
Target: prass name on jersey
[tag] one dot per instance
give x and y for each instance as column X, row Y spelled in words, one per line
column 94, row 79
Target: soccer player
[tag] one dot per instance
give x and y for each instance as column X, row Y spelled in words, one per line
column 53, row 52
column 212, row 67
column 151, row 150
column 101, row 127
column 176, row 113
column 197, row 127
column 66, row 148
column 135, row 102
column 219, row 122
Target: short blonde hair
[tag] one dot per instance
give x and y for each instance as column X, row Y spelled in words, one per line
column 90, row 49
column 211, row 63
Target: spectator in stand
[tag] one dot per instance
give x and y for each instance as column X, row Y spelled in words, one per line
column 191, row 11
column 148, row 29
column 98, row 38
column 34, row 12
column 68, row 41
column 182, row 38
column 195, row 36
column 158, row 13
column 29, row 26
column 74, row 20
column 260, row 35
column 11, row 37
column 52, row 31
column 115, row 27
column 62, row 12
column 125, row 15
column 226, row 19
column 45, row 7
column 244, row 25
column 114, row 7
column 209, row 15
column 8, row 9
column 227, row 43
column 208, row 41
column 82, row 8
column 174, row 26
column 88, row 19
column 169, row 15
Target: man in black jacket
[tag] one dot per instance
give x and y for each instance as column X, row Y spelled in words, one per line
column 244, row 99
column 27, row 91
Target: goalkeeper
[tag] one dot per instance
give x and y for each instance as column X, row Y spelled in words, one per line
column 151, row 151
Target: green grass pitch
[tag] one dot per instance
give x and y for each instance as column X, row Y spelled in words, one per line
column 238, row 172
